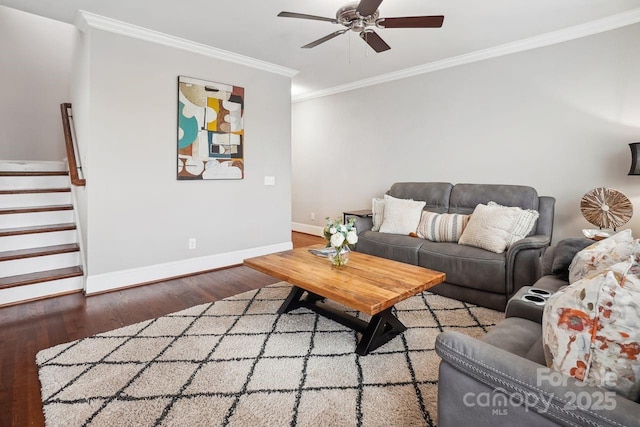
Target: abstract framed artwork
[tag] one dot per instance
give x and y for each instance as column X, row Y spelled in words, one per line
column 210, row 130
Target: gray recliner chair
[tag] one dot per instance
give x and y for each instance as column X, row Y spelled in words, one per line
column 502, row 379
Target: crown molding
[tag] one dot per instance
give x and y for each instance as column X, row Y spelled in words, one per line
column 85, row 19
column 578, row 31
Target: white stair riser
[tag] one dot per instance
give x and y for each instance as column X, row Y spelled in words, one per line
column 37, row 240
column 34, row 199
column 39, row 290
column 13, row 166
column 35, row 218
column 41, row 263
column 31, row 182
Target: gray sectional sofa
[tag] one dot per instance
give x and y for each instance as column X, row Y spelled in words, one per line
column 502, row 379
column 474, row 275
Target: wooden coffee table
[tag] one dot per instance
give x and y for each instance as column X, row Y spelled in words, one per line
column 368, row 284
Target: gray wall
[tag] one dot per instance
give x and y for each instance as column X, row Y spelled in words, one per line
column 557, row 118
column 35, row 76
column 138, row 214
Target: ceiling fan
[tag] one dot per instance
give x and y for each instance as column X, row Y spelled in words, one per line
column 359, row 16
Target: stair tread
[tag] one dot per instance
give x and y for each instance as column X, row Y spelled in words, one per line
column 39, row 277
column 36, row 191
column 34, row 173
column 36, row 252
column 32, row 209
column 35, row 229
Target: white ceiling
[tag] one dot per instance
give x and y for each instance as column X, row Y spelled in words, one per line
column 251, row 28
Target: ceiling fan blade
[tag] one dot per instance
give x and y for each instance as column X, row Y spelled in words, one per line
column 412, row 22
column 324, row 39
column 303, row 16
column 374, row 40
column 368, row 7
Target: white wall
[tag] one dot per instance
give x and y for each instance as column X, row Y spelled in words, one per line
column 139, row 215
column 557, row 118
column 35, row 77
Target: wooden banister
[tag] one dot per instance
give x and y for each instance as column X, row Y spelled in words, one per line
column 73, row 160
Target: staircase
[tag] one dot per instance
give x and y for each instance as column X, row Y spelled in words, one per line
column 39, row 252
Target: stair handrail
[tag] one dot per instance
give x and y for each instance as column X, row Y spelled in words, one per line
column 73, row 154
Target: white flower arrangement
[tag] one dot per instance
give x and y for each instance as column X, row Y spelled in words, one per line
column 339, row 235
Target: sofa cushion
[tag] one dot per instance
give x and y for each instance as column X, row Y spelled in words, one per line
column 601, row 255
column 551, row 283
column 564, row 253
column 591, row 329
column 401, row 216
column 518, row 336
column 465, row 197
column 465, row 265
column 442, row 227
column 435, row 194
column 391, row 246
column 547, row 260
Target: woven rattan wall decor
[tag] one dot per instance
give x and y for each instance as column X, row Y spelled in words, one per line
column 606, row 208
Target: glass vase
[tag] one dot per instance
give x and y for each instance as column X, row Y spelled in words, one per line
column 340, row 257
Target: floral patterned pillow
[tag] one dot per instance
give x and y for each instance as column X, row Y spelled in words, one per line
column 602, row 255
column 591, row 329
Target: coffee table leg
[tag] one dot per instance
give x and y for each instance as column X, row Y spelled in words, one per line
column 313, row 298
column 382, row 328
column 292, row 301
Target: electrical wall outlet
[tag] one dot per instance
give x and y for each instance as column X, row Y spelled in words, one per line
column 313, row 216
column 269, row 180
column 192, row 243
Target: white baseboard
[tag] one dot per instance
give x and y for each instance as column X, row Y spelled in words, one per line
column 125, row 278
column 309, row 229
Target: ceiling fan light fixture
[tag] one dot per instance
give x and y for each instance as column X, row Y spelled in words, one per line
column 359, row 16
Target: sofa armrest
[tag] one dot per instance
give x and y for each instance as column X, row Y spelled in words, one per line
column 517, row 307
column 506, row 389
column 362, row 223
column 531, row 242
column 524, row 262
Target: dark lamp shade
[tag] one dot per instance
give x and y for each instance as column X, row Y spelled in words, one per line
column 635, row 158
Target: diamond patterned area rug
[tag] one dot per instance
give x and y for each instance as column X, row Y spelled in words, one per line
column 236, row 362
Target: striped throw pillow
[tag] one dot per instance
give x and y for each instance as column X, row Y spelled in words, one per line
column 442, row 227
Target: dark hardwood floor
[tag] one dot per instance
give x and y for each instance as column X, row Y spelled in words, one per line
column 28, row 328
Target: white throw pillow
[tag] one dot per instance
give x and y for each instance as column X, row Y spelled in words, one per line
column 494, row 227
column 377, row 210
column 524, row 223
column 401, row 216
